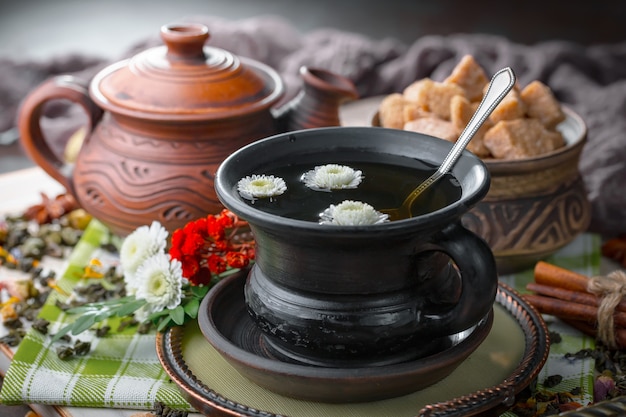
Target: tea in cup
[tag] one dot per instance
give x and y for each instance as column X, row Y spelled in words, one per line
column 334, row 288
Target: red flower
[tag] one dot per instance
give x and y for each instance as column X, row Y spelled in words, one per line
column 221, row 245
column 226, row 218
column 202, row 277
column 198, row 226
column 216, row 264
column 177, row 239
column 192, row 243
column 191, row 266
column 214, row 229
column 237, row 260
column 209, row 245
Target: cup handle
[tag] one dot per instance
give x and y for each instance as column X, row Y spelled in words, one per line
column 479, row 281
column 29, row 116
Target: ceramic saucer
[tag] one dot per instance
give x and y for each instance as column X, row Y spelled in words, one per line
column 229, row 329
column 487, row 381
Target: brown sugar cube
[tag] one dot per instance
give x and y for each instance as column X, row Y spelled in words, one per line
column 433, row 96
column 433, row 126
column 418, row 92
column 414, row 111
column 521, row 138
column 391, row 111
column 469, row 75
column 541, row 104
column 511, row 107
column 461, row 111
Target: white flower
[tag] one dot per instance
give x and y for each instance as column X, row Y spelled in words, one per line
column 159, row 281
column 332, row 177
column 352, row 213
column 137, row 247
column 259, row 186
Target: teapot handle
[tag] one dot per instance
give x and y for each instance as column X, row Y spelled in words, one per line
column 32, row 138
column 479, row 280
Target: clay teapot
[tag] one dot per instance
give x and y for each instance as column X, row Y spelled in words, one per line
column 162, row 121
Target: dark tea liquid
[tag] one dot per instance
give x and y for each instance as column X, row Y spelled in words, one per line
column 385, row 184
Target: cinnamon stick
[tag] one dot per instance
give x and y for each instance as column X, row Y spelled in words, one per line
column 555, row 276
column 569, row 295
column 571, row 310
column 620, row 334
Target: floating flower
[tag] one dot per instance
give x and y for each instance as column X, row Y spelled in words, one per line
column 332, row 177
column 260, row 186
column 352, row 213
column 137, row 247
column 159, row 281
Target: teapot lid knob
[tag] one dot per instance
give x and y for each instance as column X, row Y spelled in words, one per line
column 185, row 41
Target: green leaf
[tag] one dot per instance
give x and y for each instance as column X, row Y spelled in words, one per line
column 191, row 307
column 103, row 315
column 164, row 323
column 83, row 323
column 87, row 308
column 62, row 332
column 129, row 308
column 98, row 306
column 200, row 291
column 178, row 315
column 154, row 316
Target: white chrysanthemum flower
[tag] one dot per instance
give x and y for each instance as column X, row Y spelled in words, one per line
column 137, row 247
column 159, row 281
column 352, row 213
column 260, row 186
column 332, row 177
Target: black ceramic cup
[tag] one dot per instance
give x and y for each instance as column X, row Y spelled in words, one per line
column 329, row 295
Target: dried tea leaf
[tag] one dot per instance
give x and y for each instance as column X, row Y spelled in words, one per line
column 552, row 381
column 65, row 352
column 41, row 325
column 82, row 348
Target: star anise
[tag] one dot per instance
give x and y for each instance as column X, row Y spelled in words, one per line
column 51, row 209
column 616, row 249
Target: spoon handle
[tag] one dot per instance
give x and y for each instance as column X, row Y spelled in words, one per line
column 500, row 85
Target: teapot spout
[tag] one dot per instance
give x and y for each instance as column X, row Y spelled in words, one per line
column 317, row 104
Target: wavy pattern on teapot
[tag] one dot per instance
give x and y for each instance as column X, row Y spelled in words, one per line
column 130, row 195
column 137, row 174
column 165, row 205
column 210, row 175
column 141, row 174
column 194, row 150
column 530, row 225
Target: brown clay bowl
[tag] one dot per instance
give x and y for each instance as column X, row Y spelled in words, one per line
column 535, row 206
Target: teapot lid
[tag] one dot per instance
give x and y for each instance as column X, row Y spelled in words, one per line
column 185, row 80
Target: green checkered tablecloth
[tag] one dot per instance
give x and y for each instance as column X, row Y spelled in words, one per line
column 583, row 256
column 122, row 370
